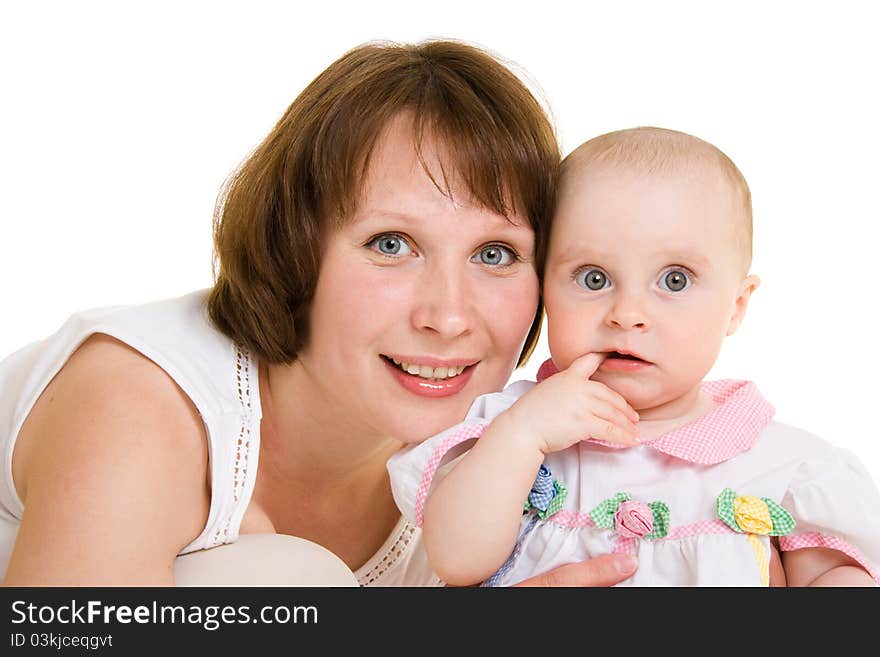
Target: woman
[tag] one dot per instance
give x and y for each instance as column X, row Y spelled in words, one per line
column 378, row 269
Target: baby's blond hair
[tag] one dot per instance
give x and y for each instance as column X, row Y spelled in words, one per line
column 652, row 150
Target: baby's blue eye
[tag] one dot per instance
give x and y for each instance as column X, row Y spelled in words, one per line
column 675, row 280
column 496, row 255
column 390, row 244
column 592, row 279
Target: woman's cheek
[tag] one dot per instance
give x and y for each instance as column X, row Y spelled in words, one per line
column 369, row 288
column 510, row 314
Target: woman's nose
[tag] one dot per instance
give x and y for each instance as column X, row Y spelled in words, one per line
column 444, row 304
column 628, row 313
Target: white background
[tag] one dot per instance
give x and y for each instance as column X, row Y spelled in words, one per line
column 118, row 125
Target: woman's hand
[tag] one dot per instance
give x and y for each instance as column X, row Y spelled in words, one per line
column 606, row 570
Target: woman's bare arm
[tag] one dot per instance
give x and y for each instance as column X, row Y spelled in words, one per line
column 111, row 466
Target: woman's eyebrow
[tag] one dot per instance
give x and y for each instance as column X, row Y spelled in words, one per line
column 496, row 223
column 378, row 213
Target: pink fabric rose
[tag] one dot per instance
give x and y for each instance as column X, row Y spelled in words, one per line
column 633, row 519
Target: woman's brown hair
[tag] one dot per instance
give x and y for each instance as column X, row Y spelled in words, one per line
column 310, row 171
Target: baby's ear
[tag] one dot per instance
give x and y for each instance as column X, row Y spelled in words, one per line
column 750, row 284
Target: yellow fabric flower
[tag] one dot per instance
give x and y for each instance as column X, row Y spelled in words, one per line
column 752, row 514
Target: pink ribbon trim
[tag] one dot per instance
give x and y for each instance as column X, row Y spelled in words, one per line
column 461, row 434
column 698, row 528
column 575, row 520
column 815, row 539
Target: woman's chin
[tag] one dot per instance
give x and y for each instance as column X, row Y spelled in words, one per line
column 427, row 426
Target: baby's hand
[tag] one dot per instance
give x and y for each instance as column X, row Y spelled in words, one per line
column 568, row 407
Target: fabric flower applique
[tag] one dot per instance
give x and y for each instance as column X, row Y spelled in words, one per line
column 547, row 495
column 753, row 515
column 632, row 519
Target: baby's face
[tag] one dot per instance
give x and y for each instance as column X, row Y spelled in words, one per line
column 645, row 267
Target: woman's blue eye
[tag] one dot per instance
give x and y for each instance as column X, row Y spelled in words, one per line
column 496, row 255
column 390, row 244
column 592, row 279
column 675, row 280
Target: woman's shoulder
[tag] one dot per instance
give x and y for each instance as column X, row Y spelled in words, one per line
column 178, row 336
column 149, row 364
column 110, row 398
column 174, row 334
column 112, row 438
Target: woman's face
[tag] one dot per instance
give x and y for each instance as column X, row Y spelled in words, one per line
column 422, row 302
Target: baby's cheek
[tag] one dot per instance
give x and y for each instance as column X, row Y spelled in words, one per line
column 698, row 346
column 563, row 340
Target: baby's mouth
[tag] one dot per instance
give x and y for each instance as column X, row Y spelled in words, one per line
column 625, row 356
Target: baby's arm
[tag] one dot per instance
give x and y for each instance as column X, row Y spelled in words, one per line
column 472, row 517
column 818, row 566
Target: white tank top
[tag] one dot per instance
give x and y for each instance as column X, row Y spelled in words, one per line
column 221, row 380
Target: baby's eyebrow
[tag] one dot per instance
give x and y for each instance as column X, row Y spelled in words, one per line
column 685, row 258
column 575, row 251
column 580, row 254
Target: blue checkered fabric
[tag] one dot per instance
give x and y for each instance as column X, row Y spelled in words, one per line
column 543, row 491
column 507, row 565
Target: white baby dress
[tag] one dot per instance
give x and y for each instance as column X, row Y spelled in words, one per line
column 697, row 505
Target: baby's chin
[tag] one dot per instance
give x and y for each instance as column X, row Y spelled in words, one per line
column 651, row 401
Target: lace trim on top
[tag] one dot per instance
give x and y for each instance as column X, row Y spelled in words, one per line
column 242, row 444
column 392, row 555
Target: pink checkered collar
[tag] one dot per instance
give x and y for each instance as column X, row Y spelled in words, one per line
column 733, row 427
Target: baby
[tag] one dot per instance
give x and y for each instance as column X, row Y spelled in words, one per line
column 647, row 272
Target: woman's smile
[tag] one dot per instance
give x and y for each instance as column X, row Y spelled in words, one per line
column 428, row 381
column 431, row 368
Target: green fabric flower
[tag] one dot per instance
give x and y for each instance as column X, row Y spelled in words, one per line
column 661, row 520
